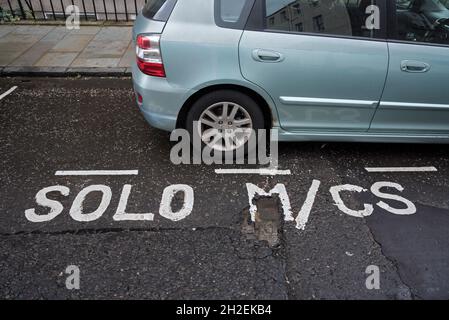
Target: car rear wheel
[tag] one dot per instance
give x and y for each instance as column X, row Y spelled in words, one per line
column 225, row 120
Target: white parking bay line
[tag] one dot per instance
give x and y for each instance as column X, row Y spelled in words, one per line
column 401, row 169
column 98, row 173
column 3, row 95
column 262, row 172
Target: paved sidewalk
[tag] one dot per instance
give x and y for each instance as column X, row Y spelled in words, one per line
column 95, row 50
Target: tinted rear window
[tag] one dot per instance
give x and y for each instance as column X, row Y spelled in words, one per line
column 331, row 17
column 159, row 10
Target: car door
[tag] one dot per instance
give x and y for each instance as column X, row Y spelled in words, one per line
column 415, row 100
column 321, row 61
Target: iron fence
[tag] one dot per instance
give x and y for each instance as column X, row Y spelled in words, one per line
column 90, row 10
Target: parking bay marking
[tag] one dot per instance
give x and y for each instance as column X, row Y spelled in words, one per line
column 262, row 172
column 401, row 169
column 98, row 173
column 3, row 95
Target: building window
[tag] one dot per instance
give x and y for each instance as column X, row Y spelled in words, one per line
column 318, row 24
column 284, row 15
column 299, row 27
column 296, row 8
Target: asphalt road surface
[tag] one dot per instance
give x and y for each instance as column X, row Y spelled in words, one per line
column 50, row 125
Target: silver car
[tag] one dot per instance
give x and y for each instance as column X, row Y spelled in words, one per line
column 324, row 70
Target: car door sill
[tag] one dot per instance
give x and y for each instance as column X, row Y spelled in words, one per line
column 362, row 136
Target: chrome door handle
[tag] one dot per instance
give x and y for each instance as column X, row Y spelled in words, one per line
column 414, row 66
column 262, row 55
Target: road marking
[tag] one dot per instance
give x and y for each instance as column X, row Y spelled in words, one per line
column 279, row 190
column 401, row 169
column 98, row 173
column 262, row 172
column 304, row 213
column 8, row 92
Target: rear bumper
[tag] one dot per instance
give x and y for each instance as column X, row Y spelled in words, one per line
column 159, row 121
column 161, row 100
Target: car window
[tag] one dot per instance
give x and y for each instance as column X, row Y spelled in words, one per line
column 159, row 10
column 232, row 13
column 336, row 17
column 423, row 21
column 231, row 10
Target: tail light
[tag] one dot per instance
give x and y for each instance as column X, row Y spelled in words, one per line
column 149, row 58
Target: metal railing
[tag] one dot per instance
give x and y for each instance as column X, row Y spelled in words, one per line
column 90, row 10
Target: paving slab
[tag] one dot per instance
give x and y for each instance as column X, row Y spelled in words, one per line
column 6, row 57
column 12, row 46
column 34, row 54
column 84, row 30
column 4, row 30
column 57, row 59
column 113, row 33
column 96, row 62
column 55, row 46
column 105, row 49
column 20, row 40
column 33, row 30
column 57, row 34
column 128, row 57
column 72, row 43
